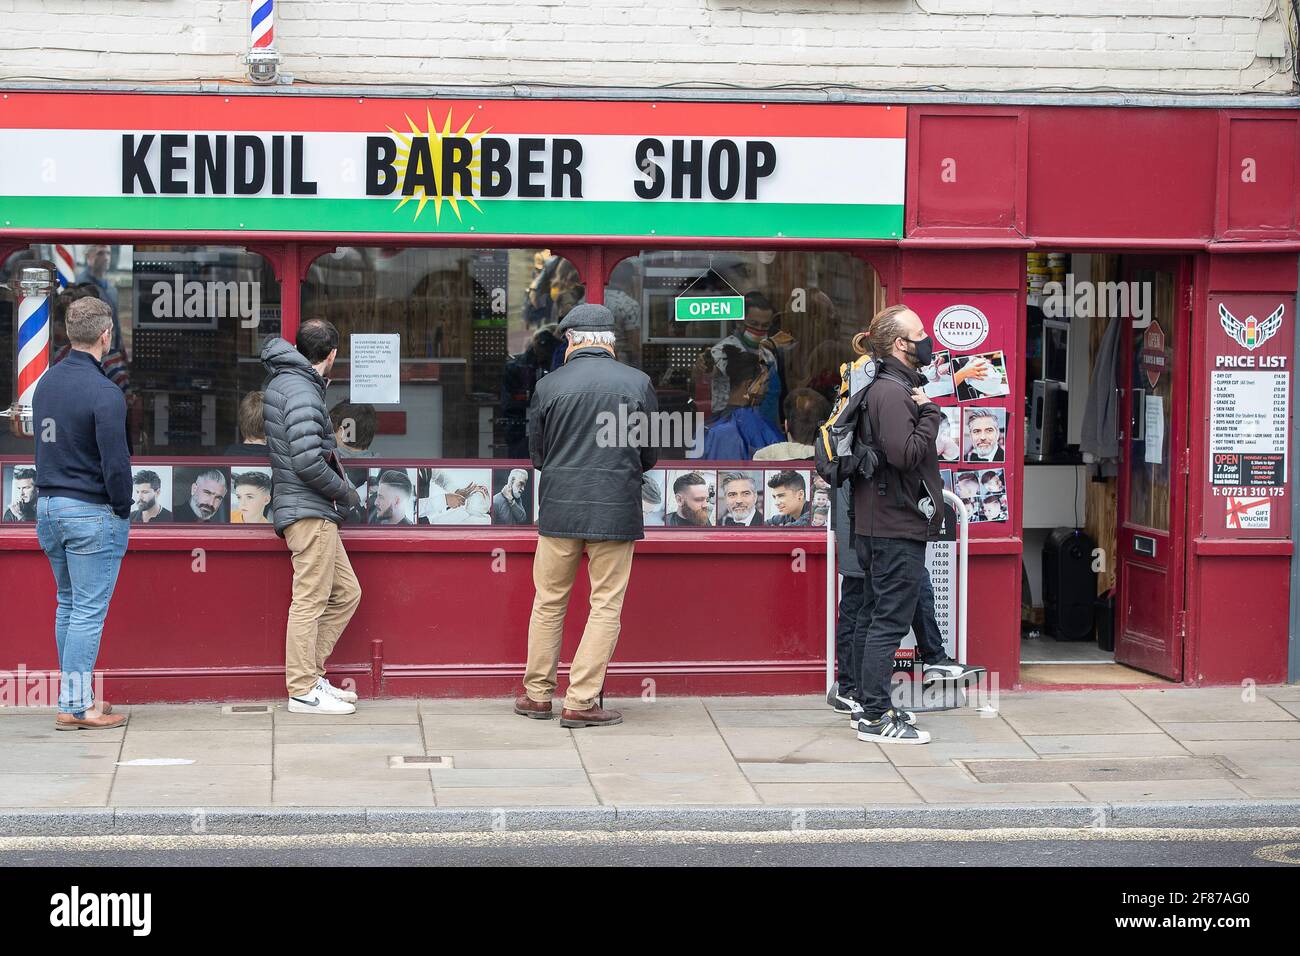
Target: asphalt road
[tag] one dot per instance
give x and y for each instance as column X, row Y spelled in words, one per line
column 864, row 848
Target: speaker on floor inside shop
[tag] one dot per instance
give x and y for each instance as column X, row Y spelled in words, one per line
column 1069, row 585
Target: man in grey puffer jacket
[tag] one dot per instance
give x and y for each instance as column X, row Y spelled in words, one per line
column 309, row 498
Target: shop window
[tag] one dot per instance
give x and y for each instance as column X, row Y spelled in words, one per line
column 188, row 321
column 476, row 330
column 799, row 314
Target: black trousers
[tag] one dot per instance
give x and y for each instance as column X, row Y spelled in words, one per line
column 897, row 593
column 848, row 653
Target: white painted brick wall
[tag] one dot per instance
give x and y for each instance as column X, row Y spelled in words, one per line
column 1182, row 45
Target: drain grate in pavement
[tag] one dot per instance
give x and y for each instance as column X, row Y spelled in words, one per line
column 1091, row 770
column 246, row 709
column 421, row 762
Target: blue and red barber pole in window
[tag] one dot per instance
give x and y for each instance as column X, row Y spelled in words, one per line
column 33, row 344
column 65, row 266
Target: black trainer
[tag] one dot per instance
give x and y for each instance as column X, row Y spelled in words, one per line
column 906, row 716
column 891, row 729
column 948, row 669
column 840, row 703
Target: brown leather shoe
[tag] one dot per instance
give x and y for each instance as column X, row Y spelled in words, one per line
column 102, row 722
column 525, row 706
column 591, row 717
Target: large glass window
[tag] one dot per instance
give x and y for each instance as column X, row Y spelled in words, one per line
column 762, row 380
column 477, row 330
column 188, row 322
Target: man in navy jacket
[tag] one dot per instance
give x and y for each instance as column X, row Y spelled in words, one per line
column 83, row 504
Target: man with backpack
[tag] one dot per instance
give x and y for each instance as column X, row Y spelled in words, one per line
column 882, row 436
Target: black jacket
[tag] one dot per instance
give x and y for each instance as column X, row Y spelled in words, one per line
column 590, row 471
column 904, row 498
column 90, row 458
column 306, row 479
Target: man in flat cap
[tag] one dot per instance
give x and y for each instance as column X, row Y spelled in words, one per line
column 589, row 500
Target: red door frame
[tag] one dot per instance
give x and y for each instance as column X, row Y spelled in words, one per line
column 1173, row 563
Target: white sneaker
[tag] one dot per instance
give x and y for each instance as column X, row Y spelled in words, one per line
column 318, row 702
column 345, row 695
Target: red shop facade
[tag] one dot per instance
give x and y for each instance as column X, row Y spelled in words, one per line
column 466, row 227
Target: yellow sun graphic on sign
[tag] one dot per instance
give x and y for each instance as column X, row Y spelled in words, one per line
column 435, row 137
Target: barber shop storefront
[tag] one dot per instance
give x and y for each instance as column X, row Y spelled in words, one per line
column 1111, row 292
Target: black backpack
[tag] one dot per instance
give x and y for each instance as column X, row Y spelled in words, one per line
column 845, row 446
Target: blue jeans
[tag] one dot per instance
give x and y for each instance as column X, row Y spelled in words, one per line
column 85, row 543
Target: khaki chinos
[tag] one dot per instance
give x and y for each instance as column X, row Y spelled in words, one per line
column 609, row 566
column 325, row 596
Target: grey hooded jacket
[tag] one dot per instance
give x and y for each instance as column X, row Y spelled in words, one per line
column 305, row 479
column 845, row 552
column 590, row 484
column 1099, row 436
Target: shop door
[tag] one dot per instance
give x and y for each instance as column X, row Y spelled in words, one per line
column 1152, row 489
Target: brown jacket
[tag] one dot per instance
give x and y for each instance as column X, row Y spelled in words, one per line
column 904, row 498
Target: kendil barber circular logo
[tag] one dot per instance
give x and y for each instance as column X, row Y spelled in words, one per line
column 961, row 327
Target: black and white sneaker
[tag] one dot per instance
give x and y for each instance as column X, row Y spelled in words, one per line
column 891, row 729
column 949, row 670
column 906, row 716
column 838, row 702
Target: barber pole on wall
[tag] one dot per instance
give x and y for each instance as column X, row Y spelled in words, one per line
column 263, row 60
column 263, row 23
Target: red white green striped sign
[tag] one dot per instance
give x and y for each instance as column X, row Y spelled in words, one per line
column 275, row 163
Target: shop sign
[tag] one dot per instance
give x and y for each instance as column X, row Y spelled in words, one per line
column 961, row 328
column 1155, row 358
column 710, row 308
column 137, row 161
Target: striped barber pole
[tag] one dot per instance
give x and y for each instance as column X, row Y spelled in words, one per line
column 65, row 265
column 263, row 23
column 33, row 344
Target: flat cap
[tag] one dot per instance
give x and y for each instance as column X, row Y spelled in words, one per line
column 587, row 318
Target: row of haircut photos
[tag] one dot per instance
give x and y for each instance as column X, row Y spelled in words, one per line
column 397, row 495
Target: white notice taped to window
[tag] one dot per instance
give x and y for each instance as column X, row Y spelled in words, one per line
column 1154, row 453
column 376, row 369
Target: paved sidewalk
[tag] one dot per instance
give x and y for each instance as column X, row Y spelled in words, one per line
column 1090, row 747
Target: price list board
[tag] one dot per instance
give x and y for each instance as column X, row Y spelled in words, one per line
column 1249, row 423
column 1248, row 427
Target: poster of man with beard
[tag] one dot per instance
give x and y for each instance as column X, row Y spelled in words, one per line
column 741, row 503
column 202, row 495
column 152, row 491
column 691, row 504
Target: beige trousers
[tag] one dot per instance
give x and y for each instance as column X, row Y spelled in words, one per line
column 609, row 564
column 325, row 595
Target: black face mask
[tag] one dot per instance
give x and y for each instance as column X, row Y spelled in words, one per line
column 923, row 351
